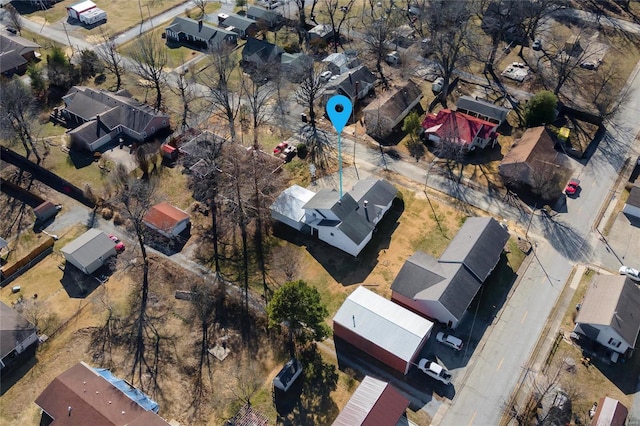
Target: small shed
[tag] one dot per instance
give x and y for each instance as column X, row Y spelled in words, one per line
column 89, row 251
column 375, row 402
column 167, row 220
column 45, row 211
column 75, row 10
column 288, row 375
column 169, row 152
column 384, row 330
column 632, row 206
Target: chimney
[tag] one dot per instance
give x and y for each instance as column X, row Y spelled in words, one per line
column 199, row 24
column 350, row 80
column 365, row 203
column 98, row 125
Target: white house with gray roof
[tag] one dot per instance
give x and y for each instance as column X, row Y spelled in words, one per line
column 89, row 251
column 442, row 289
column 346, row 223
column 609, row 313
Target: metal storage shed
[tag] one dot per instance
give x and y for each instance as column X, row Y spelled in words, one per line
column 75, row 10
column 374, row 403
column 386, row 331
column 89, row 251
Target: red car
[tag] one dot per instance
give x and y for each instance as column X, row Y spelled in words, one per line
column 572, row 187
column 281, row 147
column 119, row 244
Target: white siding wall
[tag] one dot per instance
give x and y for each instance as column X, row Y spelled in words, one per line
column 338, row 240
column 631, row 210
column 610, row 339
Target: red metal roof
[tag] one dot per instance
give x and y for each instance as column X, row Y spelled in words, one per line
column 164, row 216
column 374, row 403
column 457, row 127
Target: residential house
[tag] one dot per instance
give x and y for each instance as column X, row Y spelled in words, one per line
column 348, row 223
column 265, row 18
column 375, row 402
column 610, row 412
column 89, row 251
column 84, row 395
column 199, row 35
column 18, row 339
column 15, row 54
column 288, row 207
column 293, row 65
column 442, row 289
column 321, row 32
column 339, row 63
column 167, row 220
column 458, row 129
column 482, row 109
column 382, row 329
column 632, row 206
column 384, row 115
column 609, row 313
column 261, row 54
column 99, row 117
column 530, row 158
column 240, row 25
column 355, row 84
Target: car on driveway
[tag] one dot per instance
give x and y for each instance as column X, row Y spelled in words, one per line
column 537, row 45
column 434, row 370
column 119, row 244
column 280, row 148
column 325, row 76
column 634, row 274
column 449, row 340
column 572, row 187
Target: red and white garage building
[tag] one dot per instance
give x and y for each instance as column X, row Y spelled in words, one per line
column 386, row 331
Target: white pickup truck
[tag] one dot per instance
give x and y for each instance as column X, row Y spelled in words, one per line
column 434, row 370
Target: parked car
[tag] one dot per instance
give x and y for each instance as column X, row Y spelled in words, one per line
column 275, row 5
column 119, row 244
column 12, row 30
column 634, row 274
column 572, row 187
column 537, row 45
column 281, row 147
column 434, row 370
column 325, row 76
column 437, row 85
column 289, row 152
column 449, row 340
column 393, row 58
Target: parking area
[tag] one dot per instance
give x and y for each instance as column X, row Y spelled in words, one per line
column 624, row 240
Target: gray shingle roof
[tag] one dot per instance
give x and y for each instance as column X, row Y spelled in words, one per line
column 189, row 26
column 270, row 16
column 263, row 48
column 239, row 22
column 634, row 197
column 347, row 81
column 422, row 277
column 14, row 328
column 482, row 108
column 477, row 245
column 613, row 300
column 90, row 246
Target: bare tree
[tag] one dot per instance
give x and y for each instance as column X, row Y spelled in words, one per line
column 18, row 113
column 533, row 13
column 184, row 88
column 548, row 178
column 258, row 97
column 204, row 303
column 286, row 263
column 332, row 7
column 309, row 90
column 218, row 78
column 14, row 18
column 376, row 36
column 135, row 197
column 601, row 88
column 201, row 5
column 107, row 51
column 149, row 58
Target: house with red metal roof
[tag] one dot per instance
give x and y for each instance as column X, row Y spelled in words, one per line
column 375, row 402
column 459, row 129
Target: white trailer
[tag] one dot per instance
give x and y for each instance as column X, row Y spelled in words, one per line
column 75, row 10
column 93, row 16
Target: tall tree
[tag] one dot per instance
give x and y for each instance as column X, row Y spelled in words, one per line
column 540, row 109
column 376, row 36
column 309, row 89
column 258, row 97
column 297, row 306
column 135, row 197
column 149, row 58
column 222, row 91
column 14, row 17
column 201, row 6
column 411, row 126
column 184, row 88
column 110, row 57
column 18, row 115
column 338, row 12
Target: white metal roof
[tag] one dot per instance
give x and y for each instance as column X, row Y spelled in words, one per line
column 289, row 203
column 382, row 322
column 82, row 6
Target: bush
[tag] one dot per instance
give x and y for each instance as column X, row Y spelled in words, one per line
column 541, row 109
column 107, row 213
column 117, row 219
column 302, row 150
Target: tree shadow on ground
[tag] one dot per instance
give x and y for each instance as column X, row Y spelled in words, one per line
column 311, row 402
column 565, row 239
column 79, row 285
column 344, row 268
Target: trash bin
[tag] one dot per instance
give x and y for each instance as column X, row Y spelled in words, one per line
column 303, row 117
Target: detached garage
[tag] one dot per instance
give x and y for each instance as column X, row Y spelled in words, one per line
column 287, row 208
column 75, row 10
column 386, row 331
column 167, row 220
column 89, row 251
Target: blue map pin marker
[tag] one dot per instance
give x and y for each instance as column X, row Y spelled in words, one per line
column 339, row 110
